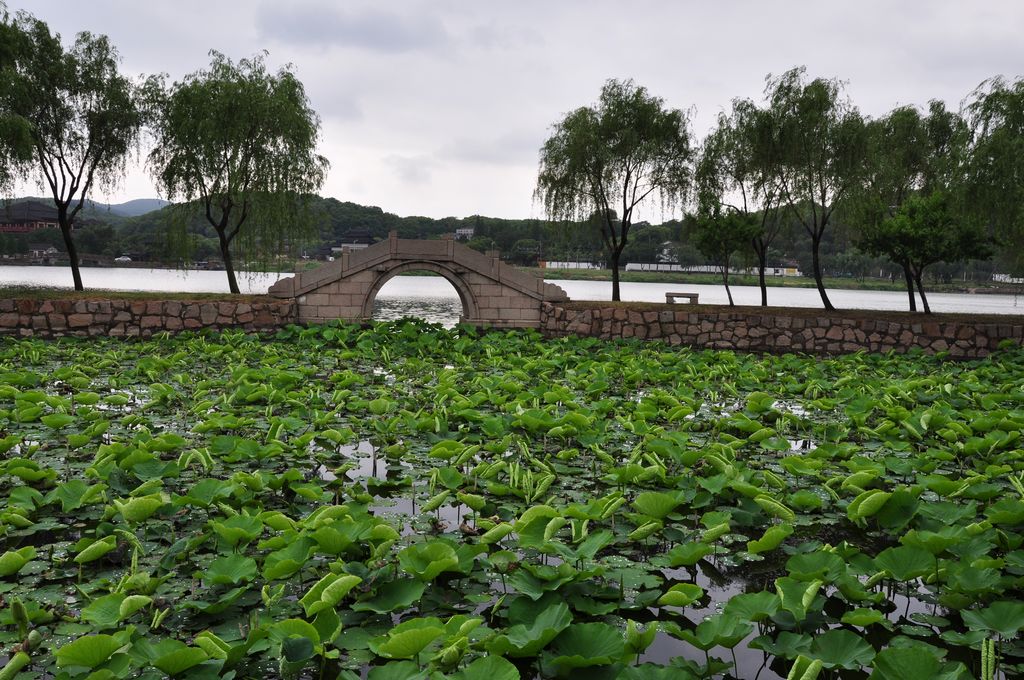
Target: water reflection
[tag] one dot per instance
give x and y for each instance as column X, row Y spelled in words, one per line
column 445, row 311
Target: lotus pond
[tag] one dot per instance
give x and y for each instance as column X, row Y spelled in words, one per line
column 405, row 502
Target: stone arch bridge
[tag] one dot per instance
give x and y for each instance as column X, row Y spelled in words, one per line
column 493, row 293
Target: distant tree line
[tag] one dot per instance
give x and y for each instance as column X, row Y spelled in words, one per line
column 804, row 177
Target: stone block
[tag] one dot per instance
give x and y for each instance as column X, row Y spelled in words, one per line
column 207, row 313
column 9, row 320
column 80, row 320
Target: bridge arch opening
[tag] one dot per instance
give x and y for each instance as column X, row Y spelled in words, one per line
column 437, row 294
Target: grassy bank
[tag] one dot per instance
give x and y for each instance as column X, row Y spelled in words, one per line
column 54, row 293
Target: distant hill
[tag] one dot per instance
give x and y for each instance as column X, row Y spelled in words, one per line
column 139, row 206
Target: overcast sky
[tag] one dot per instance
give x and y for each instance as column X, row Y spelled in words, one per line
column 439, row 107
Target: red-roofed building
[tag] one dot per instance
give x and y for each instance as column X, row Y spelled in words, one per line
column 25, row 217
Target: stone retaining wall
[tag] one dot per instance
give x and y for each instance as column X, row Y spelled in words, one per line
column 138, row 318
column 777, row 331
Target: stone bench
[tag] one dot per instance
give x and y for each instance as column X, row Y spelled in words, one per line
column 670, row 298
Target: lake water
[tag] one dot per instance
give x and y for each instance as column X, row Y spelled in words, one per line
column 433, row 298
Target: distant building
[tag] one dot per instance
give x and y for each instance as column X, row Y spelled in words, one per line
column 464, row 233
column 25, row 217
column 353, row 239
column 42, row 250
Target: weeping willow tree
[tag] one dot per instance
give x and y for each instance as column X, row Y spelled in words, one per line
column 67, row 117
column 239, row 142
column 607, row 159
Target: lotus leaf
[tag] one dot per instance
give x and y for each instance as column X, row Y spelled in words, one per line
column 230, row 570
column 1004, row 617
column 90, row 651
column 913, row 663
column 681, row 595
column 905, row 563
column 408, row 639
column 427, row 560
column 93, row 550
column 328, row 592
column 527, row 639
column 488, row 668
column 12, row 561
column 587, row 644
column 841, row 649
column 722, row 630
column 753, row 606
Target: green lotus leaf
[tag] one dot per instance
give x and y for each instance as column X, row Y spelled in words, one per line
column 397, row 670
column 797, row 596
column 687, row 554
column 57, row 421
column 650, row 671
column 841, row 649
column 637, row 639
column 76, row 493
column 393, row 596
column 656, row 504
column 96, row 549
column 205, row 493
column 805, row 500
column 488, row 668
column 722, row 630
column 753, row 606
column 587, row 644
column 328, row 592
column 1008, row 511
column 905, row 563
column 12, row 561
column 284, row 562
column 180, row 660
column 912, row 663
column 408, row 639
column 772, row 538
column 496, row 533
column 427, row 560
column 528, row 638
column 681, row 595
column 105, row 611
column 823, row 565
column 862, row 618
column 935, row 542
column 89, row 650
column 294, row 628
column 1003, row 617
column 230, row 570
column 135, row 510
column 532, row 524
column 787, row 645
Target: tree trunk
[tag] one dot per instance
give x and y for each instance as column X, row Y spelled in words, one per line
column 225, row 253
column 910, row 286
column 920, row 289
column 725, row 280
column 616, row 253
column 762, row 264
column 69, row 245
column 816, row 259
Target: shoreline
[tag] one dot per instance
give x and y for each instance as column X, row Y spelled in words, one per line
column 682, row 278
